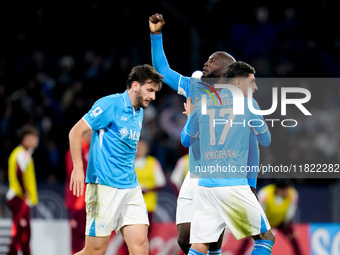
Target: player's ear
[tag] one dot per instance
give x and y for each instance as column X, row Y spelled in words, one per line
column 237, row 82
column 135, row 86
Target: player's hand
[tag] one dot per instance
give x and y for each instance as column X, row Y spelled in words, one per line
column 156, row 23
column 77, row 182
column 189, row 107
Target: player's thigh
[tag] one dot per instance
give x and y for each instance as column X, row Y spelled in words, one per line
column 104, row 205
column 136, row 238
column 184, row 210
column 183, row 230
column 134, row 211
column 241, row 211
column 95, row 245
column 207, row 224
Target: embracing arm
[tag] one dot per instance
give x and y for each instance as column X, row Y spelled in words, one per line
column 262, row 132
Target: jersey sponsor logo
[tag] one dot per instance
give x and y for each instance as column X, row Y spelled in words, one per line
column 96, row 112
column 124, row 132
column 123, row 118
column 134, row 135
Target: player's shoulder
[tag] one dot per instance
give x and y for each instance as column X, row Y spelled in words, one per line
column 113, row 99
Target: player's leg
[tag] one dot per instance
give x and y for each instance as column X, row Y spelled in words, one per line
column 103, row 207
column 244, row 216
column 184, row 211
column 199, row 248
column 216, row 248
column 94, row 245
column 18, row 209
column 78, row 229
column 133, row 222
column 136, row 238
column 289, row 233
column 183, row 236
column 207, row 225
column 263, row 243
column 25, row 224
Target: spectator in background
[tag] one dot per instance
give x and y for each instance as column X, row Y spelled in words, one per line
column 22, row 193
column 279, row 201
column 150, row 177
column 76, row 205
column 181, row 169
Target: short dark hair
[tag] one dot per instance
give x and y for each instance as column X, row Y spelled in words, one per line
column 142, row 74
column 238, row 69
column 27, row 130
column 282, row 183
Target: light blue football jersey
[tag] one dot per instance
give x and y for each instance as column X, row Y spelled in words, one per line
column 190, row 87
column 117, row 126
column 224, row 141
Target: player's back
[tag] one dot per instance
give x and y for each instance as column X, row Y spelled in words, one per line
column 224, row 142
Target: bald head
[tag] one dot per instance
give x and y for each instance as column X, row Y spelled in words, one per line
column 225, row 57
column 216, row 64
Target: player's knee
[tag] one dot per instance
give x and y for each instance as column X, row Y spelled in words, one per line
column 139, row 247
column 269, row 236
column 95, row 250
column 265, row 236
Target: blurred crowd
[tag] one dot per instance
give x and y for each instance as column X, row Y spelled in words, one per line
column 56, row 61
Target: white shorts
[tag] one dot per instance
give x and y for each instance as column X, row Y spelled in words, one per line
column 234, row 207
column 109, row 209
column 185, row 210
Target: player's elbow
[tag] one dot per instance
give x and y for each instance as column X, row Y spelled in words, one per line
column 185, row 139
column 264, row 139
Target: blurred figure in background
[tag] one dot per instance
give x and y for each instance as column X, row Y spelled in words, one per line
column 150, row 176
column 181, row 169
column 279, row 201
column 76, row 205
column 22, row 193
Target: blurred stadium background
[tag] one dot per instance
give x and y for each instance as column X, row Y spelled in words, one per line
column 57, row 58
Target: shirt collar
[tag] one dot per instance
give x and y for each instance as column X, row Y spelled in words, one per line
column 127, row 100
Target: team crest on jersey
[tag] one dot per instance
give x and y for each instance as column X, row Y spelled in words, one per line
column 124, row 132
column 96, row 112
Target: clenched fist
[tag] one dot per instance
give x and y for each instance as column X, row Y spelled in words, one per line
column 156, row 23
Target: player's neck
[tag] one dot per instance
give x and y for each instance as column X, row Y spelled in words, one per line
column 133, row 99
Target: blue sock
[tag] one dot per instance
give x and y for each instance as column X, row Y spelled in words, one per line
column 262, row 247
column 215, row 252
column 194, row 252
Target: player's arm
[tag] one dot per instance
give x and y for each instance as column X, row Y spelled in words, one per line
column 253, row 162
column 175, row 80
column 190, row 130
column 77, row 180
column 262, row 132
column 30, row 185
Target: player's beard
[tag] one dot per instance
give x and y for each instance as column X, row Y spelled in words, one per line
column 211, row 77
column 141, row 100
